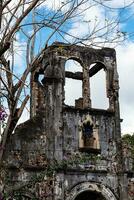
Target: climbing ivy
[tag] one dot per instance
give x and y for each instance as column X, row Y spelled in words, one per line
column 129, row 140
column 68, row 161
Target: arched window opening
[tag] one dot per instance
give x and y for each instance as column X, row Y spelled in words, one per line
column 73, row 66
column 98, row 86
column 90, row 195
column 40, row 79
column 73, row 82
column 73, row 91
column 41, row 75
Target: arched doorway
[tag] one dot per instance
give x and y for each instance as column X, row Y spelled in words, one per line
column 90, row 191
column 90, row 195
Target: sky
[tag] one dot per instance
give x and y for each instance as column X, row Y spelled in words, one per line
column 125, row 62
column 98, row 17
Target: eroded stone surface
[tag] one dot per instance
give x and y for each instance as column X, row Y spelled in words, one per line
column 71, row 149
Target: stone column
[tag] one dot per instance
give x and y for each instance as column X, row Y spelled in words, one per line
column 53, row 91
column 34, row 95
column 86, row 87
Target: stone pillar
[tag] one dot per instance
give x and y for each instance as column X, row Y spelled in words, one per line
column 53, row 91
column 86, row 87
column 37, row 96
column 34, row 95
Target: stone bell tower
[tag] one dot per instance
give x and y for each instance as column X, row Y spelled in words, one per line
column 80, row 145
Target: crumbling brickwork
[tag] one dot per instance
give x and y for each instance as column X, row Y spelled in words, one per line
column 71, row 151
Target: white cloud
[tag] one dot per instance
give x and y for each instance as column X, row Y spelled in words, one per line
column 14, row 8
column 25, row 115
column 73, row 91
column 95, row 23
column 55, row 5
column 117, row 3
column 98, row 91
column 125, row 67
column 73, row 66
column 51, row 4
column 125, row 61
column 125, row 64
column 18, row 55
column 73, row 88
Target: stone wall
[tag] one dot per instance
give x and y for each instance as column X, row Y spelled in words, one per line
column 63, row 151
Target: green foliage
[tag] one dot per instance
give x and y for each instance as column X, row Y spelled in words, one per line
column 129, row 140
column 70, row 161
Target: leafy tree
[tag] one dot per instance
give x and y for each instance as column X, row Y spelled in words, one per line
column 129, row 140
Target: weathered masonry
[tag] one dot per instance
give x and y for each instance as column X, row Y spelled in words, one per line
column 71, row 152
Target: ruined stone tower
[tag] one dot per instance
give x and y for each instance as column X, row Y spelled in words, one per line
column 73, row 152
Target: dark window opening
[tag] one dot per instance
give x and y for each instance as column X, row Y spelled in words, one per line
column 88, row 195
column 98, row 86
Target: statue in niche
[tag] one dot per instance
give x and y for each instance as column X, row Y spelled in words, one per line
column 88, row 134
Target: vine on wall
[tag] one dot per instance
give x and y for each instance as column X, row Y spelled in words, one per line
column 29, row 188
